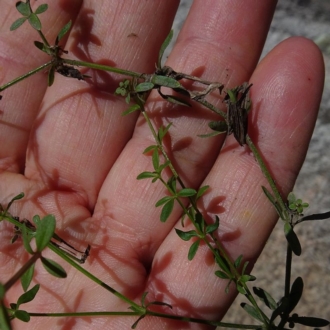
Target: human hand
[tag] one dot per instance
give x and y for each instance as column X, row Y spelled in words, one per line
column 73, row 155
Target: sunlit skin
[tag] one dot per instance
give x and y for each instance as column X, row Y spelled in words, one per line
column 73, row 155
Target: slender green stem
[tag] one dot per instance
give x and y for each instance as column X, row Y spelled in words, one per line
column 21, row 271
column 102, row 67
column 269, row 178
column 82, row 314
column 211, row 107
column 91, row 276
column 201, row 321
column 24, row 76
column 42, row 36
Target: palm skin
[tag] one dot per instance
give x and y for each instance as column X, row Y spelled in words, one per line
column 73, row 155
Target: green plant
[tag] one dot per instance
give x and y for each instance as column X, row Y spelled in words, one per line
column 202, row 231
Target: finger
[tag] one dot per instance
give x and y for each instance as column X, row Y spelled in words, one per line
column 285, row 96
column 205, row 35
column 80, row 124
column 18, row 56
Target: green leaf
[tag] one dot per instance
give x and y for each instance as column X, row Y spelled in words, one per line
column 240, row 288
column 163, row 47
column 146, row 175
column 201, row 191
column 35, row 21
column 28, row 296
column 41, row 9
column 193, row 250
column 166, row 210
column 36, row 220
column 309, row 321
column 238, row 261
column 131, row 109
column 23, row 8
column 292, row 239
column 247, row 278
column 53, row 268
column 319, row 216
column 252, row 312
column 26, row 278
column 265, row 297
column 150, row 148
column 18, row 23
column 186, row 235
column 218, row 126
column 64, row 31
column 187, row 192
column 144, row 87
column 164, row 200
column 16, row 198
column 51, row 76
column 165, row 81
column 4, row 318
column 2, row 291
column 222, row 275
column 22, row 315
column 45, row 231
column 295, row 294
column 155, row 159
column 43, row 47
column 163, row 131
column 213, row 227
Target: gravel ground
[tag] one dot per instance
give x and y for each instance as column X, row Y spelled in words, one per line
column 309, row 18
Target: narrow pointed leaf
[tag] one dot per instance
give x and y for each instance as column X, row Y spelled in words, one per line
column 201, row 191
column 18, row 23
column 155, row 159
column 292, row 239
column 45, row 231
column 163, row 47
column 42, row 47
column 53, row 268
column 166, row 210
column 221, row 274
column 28, row 296
column 238, row 261
column 41, row 9
column 16, row 198
column 310, row 321
column 51, row 76
column 186, row 235
column 163, row 131
column 265, row 297
column 213, row 227
column 219, row 126
column 319, row 216
column 146, row 175
column 131, row 109
column 27, row 278
column 193, row 250
column 252, row 311
column 150, row 148
column 163, row 200
column 64, row 30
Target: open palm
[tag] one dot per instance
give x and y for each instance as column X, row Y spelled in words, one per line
column 73, row 155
